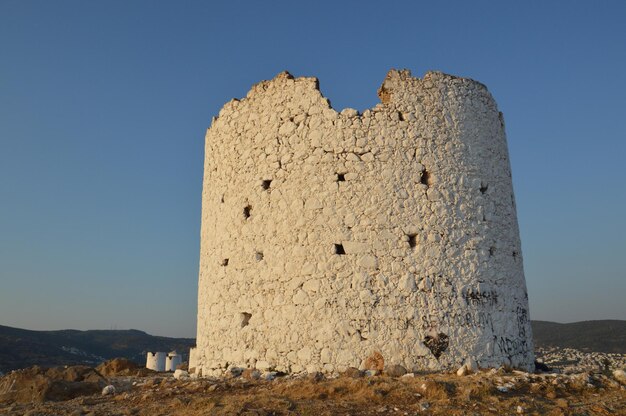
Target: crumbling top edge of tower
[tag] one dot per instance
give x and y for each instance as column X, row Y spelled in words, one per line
column 396, row 80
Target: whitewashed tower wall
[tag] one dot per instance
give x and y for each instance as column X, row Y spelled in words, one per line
column 328, row 237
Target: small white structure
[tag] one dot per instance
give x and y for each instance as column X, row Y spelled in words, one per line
column 156, row 361
column 172, row 361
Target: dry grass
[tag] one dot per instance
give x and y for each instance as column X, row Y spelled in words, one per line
column 435, row 394
column 480, row 391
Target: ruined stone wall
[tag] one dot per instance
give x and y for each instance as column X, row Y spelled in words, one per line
column 328, row 237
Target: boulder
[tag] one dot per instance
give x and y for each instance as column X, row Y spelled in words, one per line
column 122, row 367
column 352, row 372
column 251, row 374
column 375, row 362
column 395, row 370
column 181, row 375
column 36, row 384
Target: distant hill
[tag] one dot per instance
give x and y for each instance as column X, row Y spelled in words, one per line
column 600, row 336
column 21, row 348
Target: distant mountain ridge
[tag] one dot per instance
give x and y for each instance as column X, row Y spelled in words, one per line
column 20, row 348
column 607, row 335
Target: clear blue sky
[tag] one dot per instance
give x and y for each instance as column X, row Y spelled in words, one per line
column 104, row 106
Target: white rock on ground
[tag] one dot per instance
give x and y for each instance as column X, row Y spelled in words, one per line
column 181, row 374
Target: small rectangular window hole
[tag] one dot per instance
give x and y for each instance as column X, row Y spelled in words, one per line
column 339, row 249
column 245, row 318
column 412, row 240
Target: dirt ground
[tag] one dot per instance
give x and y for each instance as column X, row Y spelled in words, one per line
column 483, row 393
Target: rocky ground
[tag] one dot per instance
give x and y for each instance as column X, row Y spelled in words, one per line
column 578, row 384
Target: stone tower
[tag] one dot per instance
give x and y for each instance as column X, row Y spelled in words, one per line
column 332, row 237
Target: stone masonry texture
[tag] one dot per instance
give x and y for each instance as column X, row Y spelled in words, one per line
column 336, row 239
